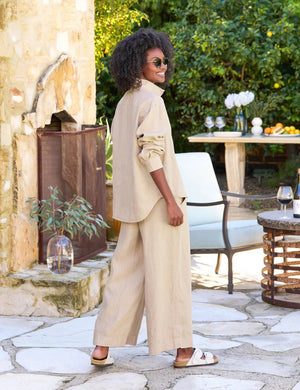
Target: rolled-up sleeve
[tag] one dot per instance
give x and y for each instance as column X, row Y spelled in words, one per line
column 151, row 135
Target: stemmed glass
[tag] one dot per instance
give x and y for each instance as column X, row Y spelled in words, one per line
column 284, row 196
column 209, row 123
column 220, row 122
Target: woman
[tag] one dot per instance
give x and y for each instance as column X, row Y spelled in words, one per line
column 151, row 265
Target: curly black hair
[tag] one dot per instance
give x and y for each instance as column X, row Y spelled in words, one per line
column 130, row 55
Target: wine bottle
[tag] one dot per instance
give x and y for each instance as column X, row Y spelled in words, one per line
column 296, row 202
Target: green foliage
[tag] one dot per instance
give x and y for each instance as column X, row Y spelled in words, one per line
column 259, row 108
column 108, row 151
column 59, row 216
column 224, row 47
column 114, row 20
column 160, row 12
column 287, row 174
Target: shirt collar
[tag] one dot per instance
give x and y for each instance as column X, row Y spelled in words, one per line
column 146, row 84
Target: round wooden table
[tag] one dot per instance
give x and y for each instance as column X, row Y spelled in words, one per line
column 281, row 272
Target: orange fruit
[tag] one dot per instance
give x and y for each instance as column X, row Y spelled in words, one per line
column 267, row 130
column 279, row 125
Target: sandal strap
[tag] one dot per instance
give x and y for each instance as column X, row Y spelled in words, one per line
column 198, row 355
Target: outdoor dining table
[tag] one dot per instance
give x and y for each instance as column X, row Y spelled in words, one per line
column 281, row 271
column 235, row 156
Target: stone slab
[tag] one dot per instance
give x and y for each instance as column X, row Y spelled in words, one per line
column 5, row 362
column 212, row 343
column 209, row 312
column 137, row 358
column 260, row 364
column 289, row 323
column 124, row 355
column 220, row 297
column 277, row 342
column 114, row 381
column 212, row 382
column 264, row 310
column 149, row 363
column 229, row 328
column 30, row 382
column 76, row 333
column 55, row 360
column 11, row 327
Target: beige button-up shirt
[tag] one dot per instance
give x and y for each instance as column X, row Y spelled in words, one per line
column 142, row 143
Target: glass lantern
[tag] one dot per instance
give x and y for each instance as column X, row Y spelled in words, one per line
column 60, row 254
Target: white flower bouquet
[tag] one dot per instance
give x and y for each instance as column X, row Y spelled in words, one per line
column 239, row 99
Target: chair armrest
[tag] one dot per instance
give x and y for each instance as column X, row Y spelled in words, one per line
column 261, row 197
column 224, row 202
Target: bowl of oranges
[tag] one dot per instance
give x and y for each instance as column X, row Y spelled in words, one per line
column 280, row 130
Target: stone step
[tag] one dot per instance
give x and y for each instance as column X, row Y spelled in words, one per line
column 38, row 292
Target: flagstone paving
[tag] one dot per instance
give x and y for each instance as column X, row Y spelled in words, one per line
column 258, row 344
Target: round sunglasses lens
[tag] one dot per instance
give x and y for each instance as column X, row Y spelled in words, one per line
column 158, row 62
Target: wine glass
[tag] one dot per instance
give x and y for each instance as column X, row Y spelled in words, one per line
column 220, row 122
column 209, row 123
column 284, row 196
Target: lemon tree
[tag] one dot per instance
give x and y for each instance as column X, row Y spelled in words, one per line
column 225, row 46
column 114, row 20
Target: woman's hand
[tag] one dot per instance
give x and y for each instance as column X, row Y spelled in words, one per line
column 174, row 211
column 175, row 214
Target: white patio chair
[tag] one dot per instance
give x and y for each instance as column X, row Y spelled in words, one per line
column 210, row 230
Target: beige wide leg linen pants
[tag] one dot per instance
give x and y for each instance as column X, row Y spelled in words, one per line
column 150, row 271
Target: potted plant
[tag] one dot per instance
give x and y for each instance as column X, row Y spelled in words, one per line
column 258, row 109
column 112, row 233
column 59, row 217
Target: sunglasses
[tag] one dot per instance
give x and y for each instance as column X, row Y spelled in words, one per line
column 159, row 61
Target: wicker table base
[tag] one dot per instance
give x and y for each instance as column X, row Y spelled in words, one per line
column 281, row 271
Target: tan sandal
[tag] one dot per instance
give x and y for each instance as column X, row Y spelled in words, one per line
column 107, row 361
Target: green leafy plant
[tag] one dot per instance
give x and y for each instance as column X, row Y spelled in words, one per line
column 58, row 216
column 287, row 173
column 108, row 151
column 108, row 154
column 225, row 46
column 114, row 20
column 259, row 108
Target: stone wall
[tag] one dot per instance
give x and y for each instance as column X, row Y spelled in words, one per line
column 46, row 65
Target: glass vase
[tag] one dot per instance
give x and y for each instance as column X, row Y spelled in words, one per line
column 60, row 254
column 240, row 123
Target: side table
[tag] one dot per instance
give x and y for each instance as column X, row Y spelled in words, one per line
column 281, row 272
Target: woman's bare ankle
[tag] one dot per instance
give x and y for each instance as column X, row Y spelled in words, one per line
column 184, row 354
column 100, row 352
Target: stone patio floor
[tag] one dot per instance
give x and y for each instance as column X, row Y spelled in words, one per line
column 258, row 344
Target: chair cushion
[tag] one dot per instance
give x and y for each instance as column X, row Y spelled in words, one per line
column 201, row 185
column 241, row 233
